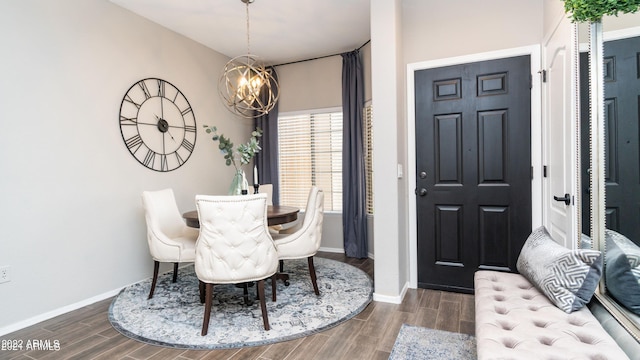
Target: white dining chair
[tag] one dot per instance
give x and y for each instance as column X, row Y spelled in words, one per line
column 234, row 247
column 267, row 189
column 169, row 238
column 303, row 240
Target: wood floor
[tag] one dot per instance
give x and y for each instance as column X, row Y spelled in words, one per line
column 87, row 334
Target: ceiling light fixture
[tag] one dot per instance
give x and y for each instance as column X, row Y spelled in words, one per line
column 246, row 86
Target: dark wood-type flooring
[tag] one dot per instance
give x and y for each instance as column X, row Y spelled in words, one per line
column 87, row 334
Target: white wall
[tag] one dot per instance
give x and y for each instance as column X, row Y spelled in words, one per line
column 317, row 84
column 435, row 29
column 386, row 93
column 72, row 219
column 314, row 84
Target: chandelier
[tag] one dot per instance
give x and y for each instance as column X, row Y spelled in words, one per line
column 247, row 88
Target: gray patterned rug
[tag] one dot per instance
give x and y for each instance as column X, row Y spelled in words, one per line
column 415, row 342
column 173, row 317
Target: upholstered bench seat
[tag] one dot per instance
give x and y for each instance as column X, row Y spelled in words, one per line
column 516, row 321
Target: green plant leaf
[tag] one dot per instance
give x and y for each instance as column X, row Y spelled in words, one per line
column 244, row 152
column 594, row 10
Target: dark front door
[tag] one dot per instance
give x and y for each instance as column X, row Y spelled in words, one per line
column 622, row 136
column 622, row 145
column 473, row 167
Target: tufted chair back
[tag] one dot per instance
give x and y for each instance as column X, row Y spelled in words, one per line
column 234, row 247
column 303, row 241
column 166, row 230
column 169, row 239
column 234, row 244
column 267, row 189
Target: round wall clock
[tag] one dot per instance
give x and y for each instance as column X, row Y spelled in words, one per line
column 157, row 124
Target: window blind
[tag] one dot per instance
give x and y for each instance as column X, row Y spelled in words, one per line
column 367, row 115
column 310, row 153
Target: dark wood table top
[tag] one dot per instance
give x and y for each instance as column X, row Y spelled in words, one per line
column 276, row 215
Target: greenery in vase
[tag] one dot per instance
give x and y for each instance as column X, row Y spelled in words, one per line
column 244, row 153
column 594, row 10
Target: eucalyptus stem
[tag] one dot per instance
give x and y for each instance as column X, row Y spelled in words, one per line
column 243, row 153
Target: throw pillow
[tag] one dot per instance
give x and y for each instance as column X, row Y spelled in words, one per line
column 585, row 242
column 622, row 270
column 567, row 277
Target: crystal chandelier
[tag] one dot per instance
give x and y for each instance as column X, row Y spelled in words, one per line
column 247, row 88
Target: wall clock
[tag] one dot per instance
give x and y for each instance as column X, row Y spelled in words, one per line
column 157, row 124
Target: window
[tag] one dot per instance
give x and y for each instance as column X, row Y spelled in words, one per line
column 310, row 153
column 367, row 118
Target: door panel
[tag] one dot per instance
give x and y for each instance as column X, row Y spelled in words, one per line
column 560, row 133
column 473, row 150
column 622, row 135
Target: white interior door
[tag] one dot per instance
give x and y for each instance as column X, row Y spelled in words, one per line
column 560, row 134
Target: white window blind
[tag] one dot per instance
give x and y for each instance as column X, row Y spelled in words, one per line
column 367, row 115
column 310, row 153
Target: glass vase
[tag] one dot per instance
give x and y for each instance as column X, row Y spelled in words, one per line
column 239, row 183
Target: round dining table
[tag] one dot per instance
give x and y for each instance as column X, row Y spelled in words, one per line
column 276, row 215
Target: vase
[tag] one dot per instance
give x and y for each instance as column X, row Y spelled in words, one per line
column 239, row 183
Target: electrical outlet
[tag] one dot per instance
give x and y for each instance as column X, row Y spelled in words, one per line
column 5, row 274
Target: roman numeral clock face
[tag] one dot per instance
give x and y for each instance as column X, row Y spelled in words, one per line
column 157, row 124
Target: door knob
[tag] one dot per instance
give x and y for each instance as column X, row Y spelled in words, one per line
column 566, row 199
column 421, row 192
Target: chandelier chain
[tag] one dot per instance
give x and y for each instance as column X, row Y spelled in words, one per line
column 248, row 36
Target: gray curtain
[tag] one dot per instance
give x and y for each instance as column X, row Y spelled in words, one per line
column 267, row 158
column 354, row 197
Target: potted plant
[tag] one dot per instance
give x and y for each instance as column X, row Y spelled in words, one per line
column 594, row 10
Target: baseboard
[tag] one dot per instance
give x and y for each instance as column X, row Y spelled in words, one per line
column 392, row 299
column 341, row 251
column 331, row 250
column 53, row 313
column 65, row 309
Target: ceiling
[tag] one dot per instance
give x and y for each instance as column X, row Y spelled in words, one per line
column 281, row 31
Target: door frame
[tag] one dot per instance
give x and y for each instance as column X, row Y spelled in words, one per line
column 534, row 51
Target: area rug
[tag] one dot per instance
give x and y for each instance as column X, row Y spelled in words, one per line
column 415, row 342
column 173, row 317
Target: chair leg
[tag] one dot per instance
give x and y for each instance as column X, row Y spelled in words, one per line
column 201, row 287
column 207, row 308
column 245, row 293
column 273, row 288
column 175, row 272
column 312, row 272
column 263, row 305
column 156, row 265
column 281, row 266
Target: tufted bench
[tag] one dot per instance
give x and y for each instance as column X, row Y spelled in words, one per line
column 516, row 321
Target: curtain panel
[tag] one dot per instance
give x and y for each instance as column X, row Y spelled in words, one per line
column 267, row 158
column 354, row 210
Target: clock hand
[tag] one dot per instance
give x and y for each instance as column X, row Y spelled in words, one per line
column 172, row 138
column 164, row 127
column 145, row 123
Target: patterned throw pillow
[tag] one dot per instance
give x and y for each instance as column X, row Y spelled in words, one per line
column 567, row 277
column 622, row 270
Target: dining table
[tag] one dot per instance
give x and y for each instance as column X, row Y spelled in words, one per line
column 276, row 215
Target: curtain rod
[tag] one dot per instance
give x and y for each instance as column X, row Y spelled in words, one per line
column 319, row 57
